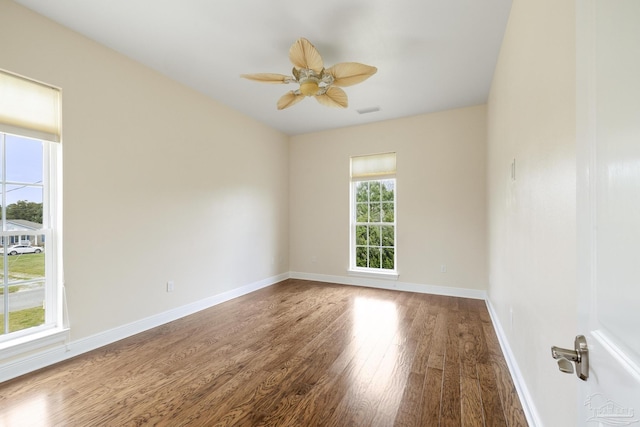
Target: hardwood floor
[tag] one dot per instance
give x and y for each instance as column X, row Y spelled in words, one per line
column 298, row 353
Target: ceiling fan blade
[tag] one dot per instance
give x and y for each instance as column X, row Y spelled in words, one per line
column 288, row 99
column 350, row 73
column 268, row 77
column 333, row 97
column 304, row 55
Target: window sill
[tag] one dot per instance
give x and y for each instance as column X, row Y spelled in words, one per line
column 392, row 275
column 33, row 342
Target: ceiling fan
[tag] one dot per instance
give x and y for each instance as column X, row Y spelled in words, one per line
column 314, row 80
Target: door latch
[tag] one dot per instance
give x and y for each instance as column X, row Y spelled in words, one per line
column 579, row 356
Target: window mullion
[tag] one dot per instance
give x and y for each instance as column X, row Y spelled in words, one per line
column 4, row 180
column 5, row 264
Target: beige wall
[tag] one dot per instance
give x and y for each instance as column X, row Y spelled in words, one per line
column 160, row 183
column 532, row 220
column 440, row 196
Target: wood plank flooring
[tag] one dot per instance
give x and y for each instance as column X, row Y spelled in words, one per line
column 298, row 353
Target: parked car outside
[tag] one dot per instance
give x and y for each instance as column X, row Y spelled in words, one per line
column 22, row 249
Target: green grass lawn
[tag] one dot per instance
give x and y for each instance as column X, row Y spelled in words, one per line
column 11, row 289
column 22, row 267
column 24, row 319
column 25, row 266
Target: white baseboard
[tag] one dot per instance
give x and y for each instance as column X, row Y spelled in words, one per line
column 392, row 285
column 48, row 357
column 523, row 392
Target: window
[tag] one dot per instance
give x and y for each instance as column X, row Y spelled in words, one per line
column 373, row 213
column 30, row 285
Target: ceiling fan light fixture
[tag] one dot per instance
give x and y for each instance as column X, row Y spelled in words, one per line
column 309, row 87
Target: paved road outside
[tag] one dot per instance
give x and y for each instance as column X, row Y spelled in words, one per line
column 24, row 299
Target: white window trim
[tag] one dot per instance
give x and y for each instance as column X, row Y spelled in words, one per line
column 385, row 274
column 33, row 342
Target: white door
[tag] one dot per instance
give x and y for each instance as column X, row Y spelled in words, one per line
column 608, row 118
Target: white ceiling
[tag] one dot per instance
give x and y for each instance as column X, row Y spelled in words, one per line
column 432, row 55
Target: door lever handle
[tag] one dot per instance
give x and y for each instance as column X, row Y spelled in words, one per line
column 579, row 356
column 563, row 353
column 565, row 366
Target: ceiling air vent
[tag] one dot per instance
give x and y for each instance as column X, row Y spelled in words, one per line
column 368, row 110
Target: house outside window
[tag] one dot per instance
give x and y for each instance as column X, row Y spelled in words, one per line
column 30, row 276
column 373, row 214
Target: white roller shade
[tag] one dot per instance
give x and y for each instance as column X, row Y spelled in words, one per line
column 29, row 108
column 373, row 166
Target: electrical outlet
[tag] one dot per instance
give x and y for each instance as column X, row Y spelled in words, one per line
column 170, row 286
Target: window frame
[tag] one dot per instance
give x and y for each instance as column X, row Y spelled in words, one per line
column 373, row 272
column 53, row 329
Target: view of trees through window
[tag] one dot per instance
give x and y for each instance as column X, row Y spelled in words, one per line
column 24, row 209
column 375, row 224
